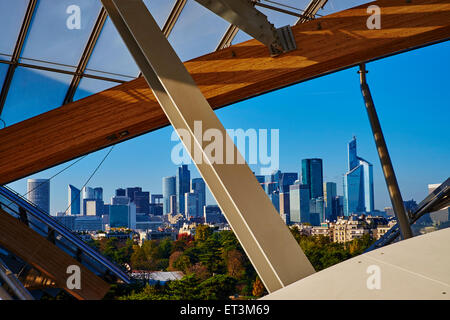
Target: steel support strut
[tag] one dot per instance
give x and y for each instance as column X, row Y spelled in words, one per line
column 271, row 248
column 243, row 15
column 385, row 159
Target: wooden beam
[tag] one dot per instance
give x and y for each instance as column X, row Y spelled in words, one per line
column 47, row 258
column 242, row 71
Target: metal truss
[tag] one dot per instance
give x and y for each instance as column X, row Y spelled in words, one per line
column 309, row 13
column 98, row 26
column 17, row 51
column 271, row 248
column 246, row 17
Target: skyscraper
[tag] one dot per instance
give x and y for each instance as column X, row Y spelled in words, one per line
column 142, row 201
column 131, row 191
column 198, row 187
column 38, row 192
column 87, row 194
column 121, row 192
column 98, row 193
column 329, row 195
column 285, row 207
column 312, row 175
column 299, row 203
column 191, row 205
column 74, row 201
column 287, row 179
column 168, row 189
column 183, row 185
column 358, row 183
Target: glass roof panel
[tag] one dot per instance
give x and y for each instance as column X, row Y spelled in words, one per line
column 11, row 18
column 3, row 70
column 160, row 9
column 34, row 92
column 111, row 55
column 57, row 33
column 333, row 6
column 89, row 86
column 197, row 32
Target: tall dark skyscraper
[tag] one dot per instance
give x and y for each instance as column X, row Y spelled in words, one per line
column 131, row 191
column 98, row 193
column 287, row 179
column 312, row 175
column 142, row 201
column 121, row 192
column 183, row 186
column 168, row 189
column 198, row 187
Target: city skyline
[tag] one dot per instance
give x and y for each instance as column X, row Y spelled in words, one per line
column 316, row 128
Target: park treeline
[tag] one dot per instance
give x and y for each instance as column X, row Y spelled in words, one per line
column 213, row 262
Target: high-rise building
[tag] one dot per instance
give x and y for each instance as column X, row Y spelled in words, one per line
column 38, row 192
column 358, row 183
column 299, row 203
column 168, row 190
column 94, row 207
column 120, row 200
column 121, row 192
column 88, row 193
column 312, row 175
column 213, row 214
column 74, row 201
column 285, row 207
column 275, row 199
column 287, row 179
column 98, row 193
column 157, row 198
column 142, row 201
column 191, row 204
column 122, row 216
column 131, row 191
column 316, row 211
column 329, row 195
column 183, row 185
column 198, row 187
column 173, row 204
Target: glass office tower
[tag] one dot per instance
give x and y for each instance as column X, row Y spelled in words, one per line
column 299, row 203
column 312, row 175
column 358, row 183
column 38, row 192
column 74, row 201
column 168, row 190
column 198, row 187
column 183, row 185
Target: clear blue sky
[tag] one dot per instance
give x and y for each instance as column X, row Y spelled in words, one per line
column 316, row 119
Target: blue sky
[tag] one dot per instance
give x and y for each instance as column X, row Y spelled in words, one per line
column 316, row 118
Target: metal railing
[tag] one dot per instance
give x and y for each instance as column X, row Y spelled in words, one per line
column 75, row 246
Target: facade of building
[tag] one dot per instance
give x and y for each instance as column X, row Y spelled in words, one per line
column 329, row 196
column 316, row 211
column 122, row 216
column 183, row 185
column 312, row 175
column 168, row 189
column 142, row 201
column 358, row 183
column 191, row 204
column 198, row 186
column 38, row 192
column 285, row 207
column 73, row 200
column 299, row 203
column 349, row 228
